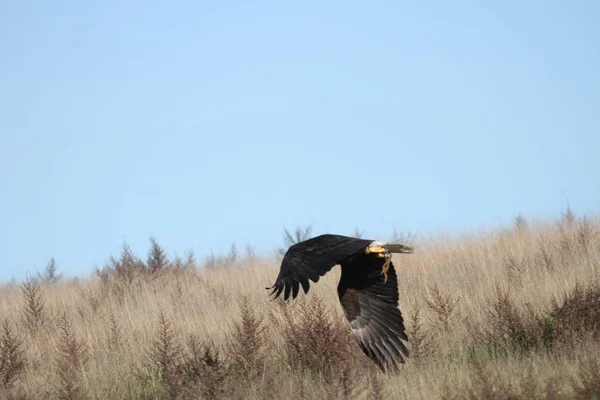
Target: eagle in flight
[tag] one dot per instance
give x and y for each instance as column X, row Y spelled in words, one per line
column 368, row 289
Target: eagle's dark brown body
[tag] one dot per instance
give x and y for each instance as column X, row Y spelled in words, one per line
column 368, row 297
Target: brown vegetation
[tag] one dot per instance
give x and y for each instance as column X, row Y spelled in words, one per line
column 512, row 313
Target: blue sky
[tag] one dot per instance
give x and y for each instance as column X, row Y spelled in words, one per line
column 208, row 123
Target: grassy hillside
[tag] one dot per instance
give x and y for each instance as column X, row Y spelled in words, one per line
column 512, row 313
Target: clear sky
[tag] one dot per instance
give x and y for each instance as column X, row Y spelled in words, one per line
column 205, row 123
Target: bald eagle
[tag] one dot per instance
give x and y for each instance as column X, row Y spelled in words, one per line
column 368, row 289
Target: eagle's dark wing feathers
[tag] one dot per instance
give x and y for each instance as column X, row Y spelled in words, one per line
column 371, row 307
column 312, row 259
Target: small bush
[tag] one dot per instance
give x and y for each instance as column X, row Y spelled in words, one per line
column 521, row 331
column 115, row 337
column 314, row 340
column 422, row 344
column 120, row 275
column 70, row 359
column 515, row 268
column 12, row 361
column 164, row 357
column 157, row 257
column 248, row 342
column 202, row 369
column 50, row 275
column 444, row 307
column 579, row 313
column 509, row 329
column 34, row 316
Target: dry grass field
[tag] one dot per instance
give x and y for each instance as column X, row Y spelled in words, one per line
column 506, row 314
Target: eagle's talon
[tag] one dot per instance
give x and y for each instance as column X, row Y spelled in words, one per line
column 386, row 266
column 384, row 276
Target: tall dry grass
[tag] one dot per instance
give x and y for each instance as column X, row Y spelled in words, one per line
column 510, row 313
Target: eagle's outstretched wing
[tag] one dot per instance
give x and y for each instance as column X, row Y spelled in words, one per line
column 371, row 306
column 312, row 259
